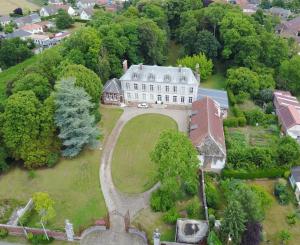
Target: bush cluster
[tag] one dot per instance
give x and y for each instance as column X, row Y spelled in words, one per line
column 3, row 232
column 254, row 174
column 281, row 192
column 171, row 216
column 161, row 201
column 39, row 239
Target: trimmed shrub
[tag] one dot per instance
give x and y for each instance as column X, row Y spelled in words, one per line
column 254, row 174
column 231, row 122
column 231, row 97
column 3, row 232
column 213, row 197
column 171, row 216
column 281, row 192
column 52, row 159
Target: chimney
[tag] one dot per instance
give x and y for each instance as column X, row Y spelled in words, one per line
column 125, row 66
column 141, row 66
column 156, row 237
column 197, row 72
column 179, row 68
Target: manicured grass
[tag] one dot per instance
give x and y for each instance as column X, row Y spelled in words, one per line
column 215, row 81
column 72, row 183
column 275, row 220
column 7, row 6
column 132, row 170
column 174, row 51
column 11, row 73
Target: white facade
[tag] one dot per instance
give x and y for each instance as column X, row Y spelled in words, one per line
column 159, row 84
column 294, row 132
column 85, row 16
column 71, row 11
column 85, row 4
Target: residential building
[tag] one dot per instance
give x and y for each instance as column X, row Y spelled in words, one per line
column 32, row 28
column 189, row 231
column 295, row 181
column 207, row 135
column 40, row 40
column 159, row 84
column 86, row 14
column 289, row 29
column 280, row 12
column 288, row 112
column 5, row 20
column 83, row 4
column 23, row 35
column 219, row 96
column 53, row 10
column 112, row 93
column 29, row 19
column 55, row 2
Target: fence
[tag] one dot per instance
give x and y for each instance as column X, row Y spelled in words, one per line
column 202, row 192
column 20, row 231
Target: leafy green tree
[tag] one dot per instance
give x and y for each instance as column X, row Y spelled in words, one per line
column 233, row 224
column 288, row 151
column 44, row 206
column 205, row 65
column 177, row 163
column 13, row 51
column 265, row 4
column 284, row 237
column 35, row 82
column 63, row 20
column 84, row 78
column 206, row 43
column 9, row 28
column 72, row 117
column 289, row 74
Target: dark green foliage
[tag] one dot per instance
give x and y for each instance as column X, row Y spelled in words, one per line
column 39, row 239
column 3, row 232
column 289, row 74
column 3, row 164
column 234, row 122
column 281, row 192
column 13, row 51
column 253, row 174
column 291, row 219
column 63, row 20
column 171, row 216
column 288, row 151
column 213, row 239
column 193, row 209
column 213, row 197
column 161, row 201
column 52, row 159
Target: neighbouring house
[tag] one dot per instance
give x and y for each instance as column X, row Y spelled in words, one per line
column 40, row 40
column 191, row 231
column 83, row 4
column 112, row 92
column 207, row 135
column 53, row 10
column 61, row 35
column 86, row 14
column 32, row 28
column 29, row 19
column 288, row 112
column 289, row 29
column 5, row 20
column 23, row 35
column 159, row 84
column 55, row 2
column 218, row 95
column 295, row 181
column 280, row 12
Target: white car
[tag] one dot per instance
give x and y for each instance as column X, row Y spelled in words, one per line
column 143, row 105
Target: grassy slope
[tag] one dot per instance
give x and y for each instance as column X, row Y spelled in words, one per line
column 275, row 220
column 132, row 170
column 7, row 6
column 73, row 183
column 11, row 73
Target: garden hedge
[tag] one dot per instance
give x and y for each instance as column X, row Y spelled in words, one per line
column 254, row 174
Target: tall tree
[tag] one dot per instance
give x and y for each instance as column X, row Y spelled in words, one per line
column 63, row 20
column 233, row 224
column 44, row 206
column 177, row 163
column 72, row 116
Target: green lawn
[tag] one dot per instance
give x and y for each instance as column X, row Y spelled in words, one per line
column 72, row 183
column 275, row 220
column 11, row 73
column 132, row 170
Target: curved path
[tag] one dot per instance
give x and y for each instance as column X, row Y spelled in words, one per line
column 115, row 200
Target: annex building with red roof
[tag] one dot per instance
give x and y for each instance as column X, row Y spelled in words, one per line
column 207, row 135
column 288, row 112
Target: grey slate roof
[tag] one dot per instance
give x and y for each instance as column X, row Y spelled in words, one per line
column 166, row 74
column 112, row 86
column 18, row 33
column 296, row 173
column 29, row 19
column 218, row 95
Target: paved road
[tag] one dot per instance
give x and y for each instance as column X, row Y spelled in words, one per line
column 119, row 203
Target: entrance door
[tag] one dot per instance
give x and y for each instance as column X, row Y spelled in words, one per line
column 159, row 98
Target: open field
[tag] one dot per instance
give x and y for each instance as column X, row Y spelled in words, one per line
column 7, row 6
column 72, row 183
column 132, row 170
column 275, row 220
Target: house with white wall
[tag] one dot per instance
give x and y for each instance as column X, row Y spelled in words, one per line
column 295, row 181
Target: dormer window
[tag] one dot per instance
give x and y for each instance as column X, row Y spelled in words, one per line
column 183, row 79
column 134, row 76
column 167, row 78
column 151, row 77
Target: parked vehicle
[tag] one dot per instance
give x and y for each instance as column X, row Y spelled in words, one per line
column 143, row 105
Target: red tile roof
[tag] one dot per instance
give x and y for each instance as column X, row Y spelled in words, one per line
column 206, row 121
